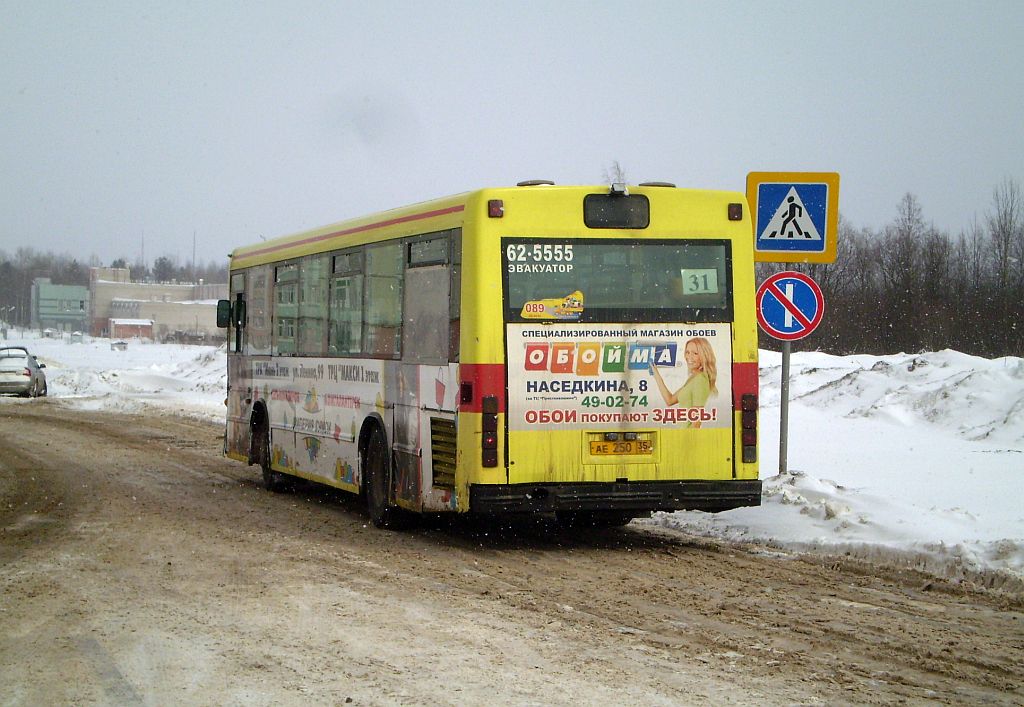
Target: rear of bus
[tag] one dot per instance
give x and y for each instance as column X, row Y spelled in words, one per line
column 609, row 352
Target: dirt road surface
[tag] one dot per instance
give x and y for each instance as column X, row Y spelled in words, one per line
column 139, row 566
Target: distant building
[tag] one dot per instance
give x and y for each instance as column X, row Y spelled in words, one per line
column 176, row 311
column 130, row 328
column 62, row 308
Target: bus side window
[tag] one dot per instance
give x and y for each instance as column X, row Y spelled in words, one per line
column 383, row 297
column 346, row 314
column 345, row 328
column 285, row 308
column 426, row 315
column 257, row 329
column 313, row 305
column 429, row 310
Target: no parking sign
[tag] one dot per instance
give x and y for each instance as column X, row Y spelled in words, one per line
column 789, row 305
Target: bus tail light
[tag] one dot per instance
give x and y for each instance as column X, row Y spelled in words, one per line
column 748, row 423
column 489, row 441
column 495, row 208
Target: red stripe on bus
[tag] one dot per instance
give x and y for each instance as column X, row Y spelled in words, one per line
column 355, row 229
column 486, row 379
column 744, row 380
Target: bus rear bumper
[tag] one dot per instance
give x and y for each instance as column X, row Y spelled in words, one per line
column 624, row 496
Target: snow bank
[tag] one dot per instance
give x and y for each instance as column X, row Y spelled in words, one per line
column 189, row 380
column 908, row 460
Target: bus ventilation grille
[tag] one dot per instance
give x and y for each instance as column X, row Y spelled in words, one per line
column 442, row 447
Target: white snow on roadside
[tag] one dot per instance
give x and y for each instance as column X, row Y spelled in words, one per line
column 94, row 375
column 908, row 460
column 913, row 460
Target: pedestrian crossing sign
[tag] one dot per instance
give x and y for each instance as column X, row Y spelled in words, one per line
column 796, row 216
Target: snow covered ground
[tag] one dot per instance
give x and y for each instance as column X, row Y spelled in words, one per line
column 910, row 460
column 907, row 460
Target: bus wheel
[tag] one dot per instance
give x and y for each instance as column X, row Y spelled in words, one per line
column 274, row 480
column 376, row 467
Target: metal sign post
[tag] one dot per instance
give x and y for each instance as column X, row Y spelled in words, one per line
column 784, row 408
column 789, row 307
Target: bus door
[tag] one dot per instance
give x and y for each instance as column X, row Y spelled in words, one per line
column 424, row 402
column 232, row 313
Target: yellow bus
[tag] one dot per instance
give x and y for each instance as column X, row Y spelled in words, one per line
column 586, row 352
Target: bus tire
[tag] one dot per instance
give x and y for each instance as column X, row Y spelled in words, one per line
column 273, row 480
column 377, row 468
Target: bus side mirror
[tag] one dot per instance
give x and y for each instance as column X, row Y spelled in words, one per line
column 223, row 313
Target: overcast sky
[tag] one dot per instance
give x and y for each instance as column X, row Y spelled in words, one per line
column 128, row 124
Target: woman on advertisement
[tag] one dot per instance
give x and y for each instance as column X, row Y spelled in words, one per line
column 700, row 385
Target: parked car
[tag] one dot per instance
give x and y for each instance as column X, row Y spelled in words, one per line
column 21, row 373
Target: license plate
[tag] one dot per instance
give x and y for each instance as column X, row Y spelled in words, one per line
column 637, row 446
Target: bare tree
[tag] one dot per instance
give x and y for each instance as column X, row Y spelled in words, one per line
column 1006, row 234
column 899, row 258
column 1005, row 229
column 971, row 255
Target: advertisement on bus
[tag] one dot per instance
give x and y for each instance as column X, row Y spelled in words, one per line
column 619, row 376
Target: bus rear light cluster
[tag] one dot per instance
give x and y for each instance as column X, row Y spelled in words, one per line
column 489, row 440
column 748, row 423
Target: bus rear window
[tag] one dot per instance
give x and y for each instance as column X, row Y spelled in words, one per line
column 621, row 280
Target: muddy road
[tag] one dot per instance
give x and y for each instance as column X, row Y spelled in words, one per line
column 139, row 566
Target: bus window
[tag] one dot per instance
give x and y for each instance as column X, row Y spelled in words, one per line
column 313, row 305
column 257, row 330
column 433, row 251
column 383, row 331
column 346, row 330
column 285, row 299
column 427, row 310
column 620, row 280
